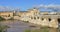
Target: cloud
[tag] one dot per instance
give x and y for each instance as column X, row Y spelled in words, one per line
column 50, row 6
column 7, row 8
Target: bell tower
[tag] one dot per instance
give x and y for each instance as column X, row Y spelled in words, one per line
column 36, row 11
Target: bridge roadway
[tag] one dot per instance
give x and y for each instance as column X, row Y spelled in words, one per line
column 48, row 16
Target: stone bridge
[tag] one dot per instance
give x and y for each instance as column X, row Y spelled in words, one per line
column 44, row 20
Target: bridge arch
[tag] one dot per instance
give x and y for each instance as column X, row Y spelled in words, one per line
column 58, row 20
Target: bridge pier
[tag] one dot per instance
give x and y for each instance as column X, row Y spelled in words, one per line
column 45, row 22
column 53, row 23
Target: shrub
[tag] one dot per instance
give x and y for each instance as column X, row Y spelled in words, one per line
column 1, row 18
column 3, row 28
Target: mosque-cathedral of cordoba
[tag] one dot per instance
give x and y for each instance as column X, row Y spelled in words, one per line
column 50, row 19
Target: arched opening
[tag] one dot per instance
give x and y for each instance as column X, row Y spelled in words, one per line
column 49, row 19
column 9, row 15
column 59, row 20
column 38, row 17
column 31, row 17
column 42, row 19
column 35, row 18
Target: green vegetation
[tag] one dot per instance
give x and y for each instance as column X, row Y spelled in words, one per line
column 31, row 30
column 42, row 29
column 1, row 18
column 35, row 30
column 3, row 28
column 27, row 30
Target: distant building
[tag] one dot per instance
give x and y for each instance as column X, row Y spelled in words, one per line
column 6, row 14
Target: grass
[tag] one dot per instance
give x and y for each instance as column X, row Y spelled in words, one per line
column 35, row 31
column 27, row 30
column 43, row 29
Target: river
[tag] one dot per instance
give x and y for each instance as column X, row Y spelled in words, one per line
column 20, row 26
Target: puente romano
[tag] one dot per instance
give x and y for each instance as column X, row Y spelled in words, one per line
column 50, row 19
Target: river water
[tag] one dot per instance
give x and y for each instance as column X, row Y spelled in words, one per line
column 20, row 26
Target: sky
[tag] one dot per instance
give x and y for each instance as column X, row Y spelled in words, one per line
column 26, row 4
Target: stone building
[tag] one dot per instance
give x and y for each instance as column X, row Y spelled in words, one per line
column 6, row 14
